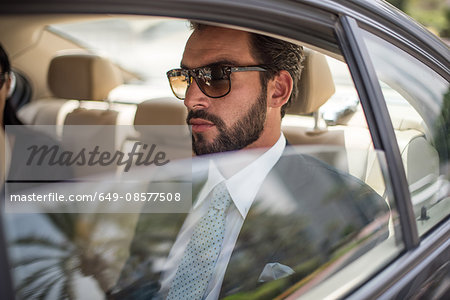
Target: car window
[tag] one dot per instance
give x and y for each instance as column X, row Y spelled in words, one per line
column 418, row 100
column 323, row 222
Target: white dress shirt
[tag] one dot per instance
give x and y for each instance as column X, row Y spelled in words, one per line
column 242, row 187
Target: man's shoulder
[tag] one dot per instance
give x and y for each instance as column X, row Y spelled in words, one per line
column 306, row 167
column 304, row 174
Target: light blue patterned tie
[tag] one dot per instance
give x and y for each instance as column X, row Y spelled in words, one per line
column 199, row 260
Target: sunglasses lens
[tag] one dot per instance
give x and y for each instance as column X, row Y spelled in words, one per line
column 215, row 84
column 179, row 83
column 212, row 81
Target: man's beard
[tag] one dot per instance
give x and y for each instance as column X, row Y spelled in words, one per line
column 241, row 134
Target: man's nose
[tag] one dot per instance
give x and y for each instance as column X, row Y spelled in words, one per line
column 195, row 99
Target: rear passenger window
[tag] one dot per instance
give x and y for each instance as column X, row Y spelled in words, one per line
column 418, row 100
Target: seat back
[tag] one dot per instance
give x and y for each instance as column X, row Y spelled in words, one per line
column 75, row 81
column 161, row 111
column 315, row 87
column 170, row 113
column 83, row 82
column 82, row 77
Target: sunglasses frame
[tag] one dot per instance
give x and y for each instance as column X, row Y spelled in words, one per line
column 200, row 74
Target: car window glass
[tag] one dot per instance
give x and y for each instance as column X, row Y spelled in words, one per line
column 418, row 100
column 323, row 221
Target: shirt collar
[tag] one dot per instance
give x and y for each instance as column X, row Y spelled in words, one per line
column 244, row 185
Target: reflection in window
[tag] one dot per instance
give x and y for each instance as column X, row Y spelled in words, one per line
column 311, row 229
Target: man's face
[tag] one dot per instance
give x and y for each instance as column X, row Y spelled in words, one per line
column 236, row 120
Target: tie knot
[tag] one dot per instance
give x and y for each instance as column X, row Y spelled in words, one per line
column 221, row 198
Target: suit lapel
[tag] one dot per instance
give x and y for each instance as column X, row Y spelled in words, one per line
column 259, row 242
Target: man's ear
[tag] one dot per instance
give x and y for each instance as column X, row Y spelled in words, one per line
column 280, row 89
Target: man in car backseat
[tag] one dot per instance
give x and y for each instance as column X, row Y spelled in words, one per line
column 279, row 212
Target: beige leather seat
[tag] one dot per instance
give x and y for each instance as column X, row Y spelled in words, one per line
column 162, row 121
column 84, row 77
column 88, row 79
column 80, row 84
column 160, row 111
column 316, row 86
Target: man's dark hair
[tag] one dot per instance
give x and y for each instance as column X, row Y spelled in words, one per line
column 275, row 55
column 4, row 61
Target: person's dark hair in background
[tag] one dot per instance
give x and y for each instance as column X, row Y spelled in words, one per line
column 22, row 136
column 275, row 55
column 4, row 61
column 10, row 115
column 5, row 80
column 9, row 111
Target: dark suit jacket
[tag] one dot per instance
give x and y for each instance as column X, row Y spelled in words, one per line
column 303, row 212
column 320, row 210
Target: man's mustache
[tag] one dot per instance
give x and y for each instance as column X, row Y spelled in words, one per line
column 201, row 114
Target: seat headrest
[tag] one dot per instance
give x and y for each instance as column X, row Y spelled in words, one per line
column 161, row 111
column 82, row 77
column 316, row 85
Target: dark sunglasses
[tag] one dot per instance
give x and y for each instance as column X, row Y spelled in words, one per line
column 2, row 79
column 214, row 80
